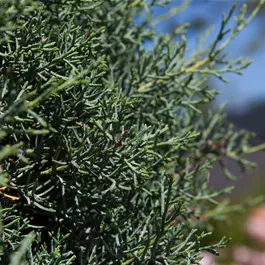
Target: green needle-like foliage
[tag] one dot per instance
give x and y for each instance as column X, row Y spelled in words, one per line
column 104, row 152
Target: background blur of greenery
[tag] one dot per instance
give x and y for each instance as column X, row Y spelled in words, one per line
column 247, row 91
column 245, row 96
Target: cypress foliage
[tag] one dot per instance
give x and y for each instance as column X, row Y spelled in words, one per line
column 104, row 152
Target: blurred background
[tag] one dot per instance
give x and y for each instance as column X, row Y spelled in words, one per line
column 245, row 98
column 244, row 95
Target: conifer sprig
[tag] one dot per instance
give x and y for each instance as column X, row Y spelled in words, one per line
column 102, row 143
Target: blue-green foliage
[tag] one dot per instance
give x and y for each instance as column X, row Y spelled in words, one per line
column 103, row 143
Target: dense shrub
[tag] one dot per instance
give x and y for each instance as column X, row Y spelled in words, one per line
column 104, row 151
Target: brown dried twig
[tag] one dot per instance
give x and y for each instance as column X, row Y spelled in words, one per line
column 3, row 194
